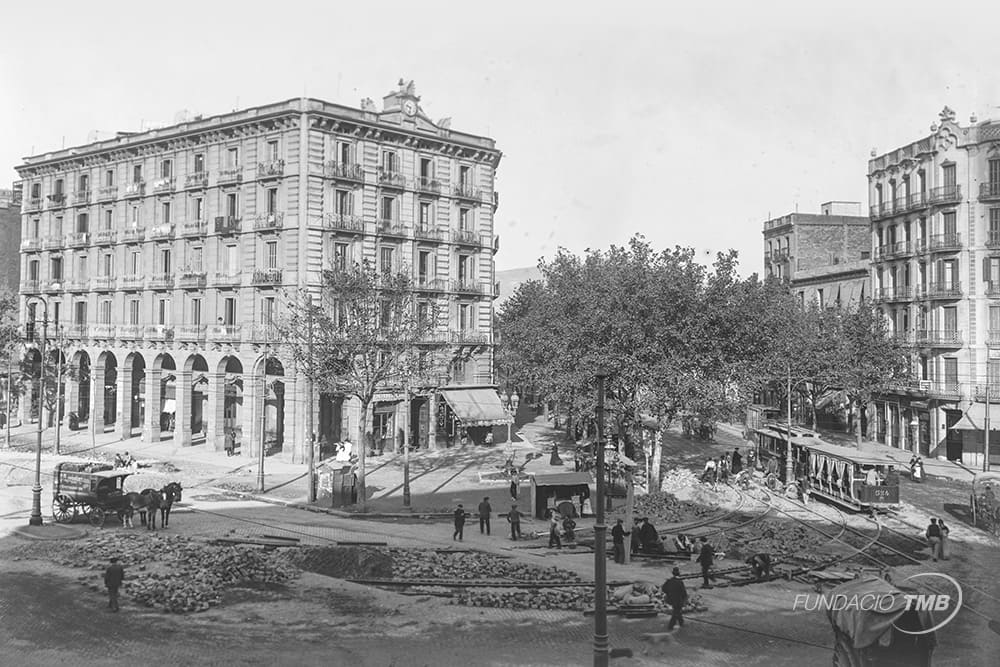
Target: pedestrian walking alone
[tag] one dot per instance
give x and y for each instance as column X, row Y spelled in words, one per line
column 944, row 539
column 230, row 443
column 459, row 524
column 513, row 487
column 677, row 597
column 933, row 534
column 514, row 517
column 484, row 515
column 113, row 578
column 618, row 534
column 706, row 558
column 737, row 462
column 554, row 531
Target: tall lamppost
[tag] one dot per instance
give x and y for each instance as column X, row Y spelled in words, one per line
column 600, row 531
column 59, row 382
column 36, row 491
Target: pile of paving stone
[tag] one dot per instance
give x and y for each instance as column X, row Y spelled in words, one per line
column 469, row 565
column 778, row 540
column 569, row 599
column 665, row 507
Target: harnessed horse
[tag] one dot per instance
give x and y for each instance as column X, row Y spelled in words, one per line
column 171, row 494
column 146, row 501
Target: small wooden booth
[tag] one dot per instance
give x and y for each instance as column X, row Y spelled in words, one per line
column 564, row 492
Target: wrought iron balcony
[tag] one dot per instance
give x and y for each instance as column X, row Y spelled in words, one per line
column 31, row 286
column 950, row 388
column 989, row 191
column 107, row 192
column 466, row 287
column 76, row 285
column 224, row 333
column 465, row 237
column 916, row 201
column 938, row 337
column 992, row 239
column 229, row 224
column 898, row 249
column 163, row 185
column 197, row 180
column 192, row 279
column 992, row 289
column 77, row 239
column 468, row 192
column 430, row 234
column 234, row 175
column 345, row 222
column 164, row 231
column 105, row 236
column 103, row 331
column 159, row 332
column 161, row 281
column 104, row 283
column 895, row 294
column 993, row 339
column 190, row 332
column 227, row 279
column 941, row 291
column 425, row 284
column 53, row 285
column 391, row 179
column 52, row 243
column 81, row 197
column 984, row 391
column 136, row 189
column 945, row 194
column 272, row 169
column 32, row 203
column 903, row 337
column 268, row 221
column 467, row 337
column 196, row 228
column 131, row 331
column 134, row 235
column 944, row 242
column 345, row 171
column 429, row 185
column 75, row 331
column 882, row 210
column 28, row 245
column 57, row 200
column 267, row 277
column 390, row 228
column 133, row 282
column 263, row 333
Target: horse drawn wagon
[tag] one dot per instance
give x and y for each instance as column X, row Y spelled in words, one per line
column 98, row 489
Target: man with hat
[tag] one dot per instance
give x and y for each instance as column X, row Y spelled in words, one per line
column 677, row 597
column 705, row 559
column 113, row 578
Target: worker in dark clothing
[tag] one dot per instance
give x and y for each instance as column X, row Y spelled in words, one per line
column 761, row 565
column 706, row 558
column 677, row 597
column 484, row 515
column 636, row 544
column 737, row 462
column 618, row 534
column 113, row 578
column 649, row 539
column 514, row 518
column 459, row 523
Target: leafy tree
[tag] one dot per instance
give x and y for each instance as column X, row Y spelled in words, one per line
column 9, row 345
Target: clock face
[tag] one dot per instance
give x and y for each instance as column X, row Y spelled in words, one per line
column 409, row 107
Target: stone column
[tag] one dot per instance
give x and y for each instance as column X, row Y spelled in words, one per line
column 432, row 423
column 249, row 417
column 215, row 414
column 71, row 396
column 154, row 405
column 295, row 436
column 123, row 422
column 182, row 425
column 96, row 420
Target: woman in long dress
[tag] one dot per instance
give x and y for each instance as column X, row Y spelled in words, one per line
column 944, row 540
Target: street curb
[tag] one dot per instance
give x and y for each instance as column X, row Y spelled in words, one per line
column 65, row 532
column 334, row 512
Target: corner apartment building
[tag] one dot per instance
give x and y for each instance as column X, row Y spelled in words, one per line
column 10, row 239
column 935, row 230
column 824, row 257
column 161, row 259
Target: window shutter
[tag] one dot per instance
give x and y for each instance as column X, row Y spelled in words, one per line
column 986, row 269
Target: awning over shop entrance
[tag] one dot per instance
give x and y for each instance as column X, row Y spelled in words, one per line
column 975, row 417
column 477, row 406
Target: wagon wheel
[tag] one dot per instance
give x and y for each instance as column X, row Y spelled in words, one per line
column 96, row 515
column 63, row 509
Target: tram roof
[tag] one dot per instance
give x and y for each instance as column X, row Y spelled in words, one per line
column 840, row 452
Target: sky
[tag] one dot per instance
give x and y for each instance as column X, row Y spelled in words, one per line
column 690, row 125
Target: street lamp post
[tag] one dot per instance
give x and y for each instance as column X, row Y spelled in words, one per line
column 406, row 445
column 600, row 531
column 36, row 491
column 263, row 424
column 59, row 384
column 10, row 355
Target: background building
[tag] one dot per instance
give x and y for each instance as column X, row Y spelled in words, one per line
column 935, row 230
column 162, row 258
column 10, row 238
column 824, row 257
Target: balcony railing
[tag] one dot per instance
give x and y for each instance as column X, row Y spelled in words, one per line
column 992, row 239
column 77, row 239
column 390, row 228
column 133, row 282
column 134, row 235
column 31, row 286
column 57, row 200
column 262, row 333
column 902, row 337
column 881, row 210
column 345, row 222
column 993, row 389
column 898, row 249
column 136, row 189
column 227, row 279
column 272, row 169
column 345, row 171
column 53, row 285
column 52, row 243
column 465, row 237
column 945, row 194
column 190, row 332
column 993, row 339
column 103, row 331
column 75, row 331
column 32, row 203
column 469, row 337
column 165, row 184
column 989, row 191
column 916, row 201
column 468, row 192
column 391, row 179
column 81, row 197
column 159, row 332
column 199, row 179
column 895, row 294
column 429, row 185
column 941, row 291
column 229, row 224
column 234, row 175
column 939, row 337
column 107, row 192
column 164, row 231
column 196, row 228
column 268, row 221
column 105, row 236
column 944, row 242
column 224, row 333
column 430, row 234
column 267, row 277
column 31, row 244
column 76, row 285
column 993, row 288
column 466, row 287
column 161, row 281
column 192, row 279
column 131, row 331
column 429, row 284
column 104, row 283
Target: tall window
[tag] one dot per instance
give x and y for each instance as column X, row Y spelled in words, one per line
column 993, row 233
column 199, row 163
column 230, row 259
column 84, row 183
column 995, row 320
column 388, row 209
column 947, row 273
column 272, row 201
column 166, row 265
column 229, row 310
column 271, row 255
column 166, row 169
column 136, row 217
column 950, row 228
column 426, row 169
column 104, row 312
column 33, row 270
column 82, row 223
column 385, row 259
column 464, row 269
column 344, row 153
column 464, row 317
column 423, row 265
column 57, row 227
column 107, row 267
column 196, row 311
column 423, row 314
column 163, row 311
column 81, row 267
column 388, row 162
column 232, row 205
column 465, row 219
column 109, row 177
column 949, row 319
column 59, row 187
column 198, row 204
column 272, row 151
column 948, row 172
column 80, row 314
column 109, row 219
column 991, row 273
column 465, row 176
column 195, row 263
column 133, row 311
column 35, row 225
column 165, row 207
column 344, row 202
column 267, row 310
column 232, row 158
column 137, row 173
column 55, row 268
column 340, row 251
column 951, row 371
column 993, row 376
column 425, row 214
column 55, row 312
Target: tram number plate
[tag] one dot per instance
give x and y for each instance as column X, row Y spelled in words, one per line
column 882, row 494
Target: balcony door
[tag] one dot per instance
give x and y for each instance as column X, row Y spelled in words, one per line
column 949, row 320
column 948, row 172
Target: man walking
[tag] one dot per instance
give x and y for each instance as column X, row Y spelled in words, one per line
column 737, row 461
column 484, row 515
column 933, row 534
column 459, row 524
column 554, row 531
column 705, row 559
column 514, row 517
column 113, row 578
column 618, row 534
column 677, row 597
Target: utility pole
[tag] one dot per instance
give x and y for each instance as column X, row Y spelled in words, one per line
column 10, row 355
column 36, row 491
column 986, row 430
column 600, row 530
column 789, row 469
column 406, row 445
column 59, row 384
column 263, row 423
column 309, row 410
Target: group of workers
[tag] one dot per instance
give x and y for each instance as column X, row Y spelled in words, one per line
column 731, row 464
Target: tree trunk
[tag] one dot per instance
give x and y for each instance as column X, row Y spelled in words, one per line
column 812, row 410
column 654, row 470
column 362, row 454
column 857, row 422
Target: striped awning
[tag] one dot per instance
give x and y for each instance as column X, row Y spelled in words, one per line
column 477, row 407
